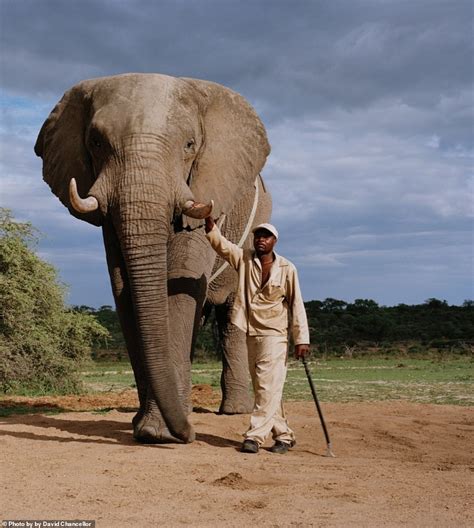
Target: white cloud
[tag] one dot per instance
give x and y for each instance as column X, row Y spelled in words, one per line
column 358, row 161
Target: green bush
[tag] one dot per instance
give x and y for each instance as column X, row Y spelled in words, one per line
column 41, row 342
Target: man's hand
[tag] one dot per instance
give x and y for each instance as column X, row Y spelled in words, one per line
column 301, row 351
column 209, row 223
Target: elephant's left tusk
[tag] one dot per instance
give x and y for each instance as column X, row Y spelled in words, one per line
column 81, row 205
column 197, row 210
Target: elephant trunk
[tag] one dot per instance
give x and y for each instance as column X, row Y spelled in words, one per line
column 142, row 223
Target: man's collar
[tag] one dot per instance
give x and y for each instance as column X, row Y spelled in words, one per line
column 277, row 259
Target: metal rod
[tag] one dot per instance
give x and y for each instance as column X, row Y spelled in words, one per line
column 318, row 407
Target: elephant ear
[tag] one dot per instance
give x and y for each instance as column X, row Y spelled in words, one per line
column 61, row 145
column 235, row 146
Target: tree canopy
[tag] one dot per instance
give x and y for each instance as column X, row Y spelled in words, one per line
column 41, row 340
column 433, row 324
column 336, row 325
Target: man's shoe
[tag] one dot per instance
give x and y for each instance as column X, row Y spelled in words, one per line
column 249, row 446
column 281, row 447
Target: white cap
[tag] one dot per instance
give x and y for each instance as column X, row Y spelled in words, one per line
column 268, row 227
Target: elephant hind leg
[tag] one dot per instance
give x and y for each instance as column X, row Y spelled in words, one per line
column 236, row 398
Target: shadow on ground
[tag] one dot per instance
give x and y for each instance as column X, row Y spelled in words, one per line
column 104, row 431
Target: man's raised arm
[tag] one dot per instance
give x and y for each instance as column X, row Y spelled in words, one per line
column 223, row 247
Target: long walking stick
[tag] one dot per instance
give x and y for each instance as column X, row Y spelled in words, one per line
column 329, row 452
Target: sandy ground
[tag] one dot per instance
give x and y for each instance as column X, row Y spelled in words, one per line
column 398, row 464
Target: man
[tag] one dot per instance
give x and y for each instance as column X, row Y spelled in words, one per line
column 268, row 303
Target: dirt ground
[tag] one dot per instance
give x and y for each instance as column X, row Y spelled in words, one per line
column 398, row 464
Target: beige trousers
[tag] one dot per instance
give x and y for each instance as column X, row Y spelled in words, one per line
column 268, row 367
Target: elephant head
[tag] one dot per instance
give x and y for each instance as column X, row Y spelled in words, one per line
column 145, row 148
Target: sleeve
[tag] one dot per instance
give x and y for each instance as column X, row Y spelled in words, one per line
column 298, row 319
column 224, row 248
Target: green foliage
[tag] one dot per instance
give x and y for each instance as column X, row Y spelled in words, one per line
column 114, row 345
column 350, row 329
column 208, row 343
column 41, row 341
column 337, row 326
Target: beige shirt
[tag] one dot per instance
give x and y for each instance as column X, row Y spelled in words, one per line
column 270, row 310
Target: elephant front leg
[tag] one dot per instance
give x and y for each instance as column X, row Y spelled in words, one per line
column 185, row 301
column 150, row 427
column 236, row 398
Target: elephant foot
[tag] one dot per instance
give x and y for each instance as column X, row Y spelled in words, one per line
column 151, row 430
column 140, row 414
column 236, row 406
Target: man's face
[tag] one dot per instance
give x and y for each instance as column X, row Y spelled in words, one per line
column 263, row 242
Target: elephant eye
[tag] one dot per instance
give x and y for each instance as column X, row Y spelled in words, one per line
column 95, row 142
column 189, row 144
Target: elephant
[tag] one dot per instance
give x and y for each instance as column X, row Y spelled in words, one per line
column 146, row 157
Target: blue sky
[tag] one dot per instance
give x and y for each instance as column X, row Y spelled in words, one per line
column 368, row 106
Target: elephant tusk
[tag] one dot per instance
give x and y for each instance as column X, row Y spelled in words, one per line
column 197, row 210
column 81, row 205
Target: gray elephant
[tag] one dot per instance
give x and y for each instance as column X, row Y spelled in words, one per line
column 147, row 151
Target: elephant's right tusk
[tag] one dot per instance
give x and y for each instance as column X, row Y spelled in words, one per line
column 81, row 205
column 197, row 210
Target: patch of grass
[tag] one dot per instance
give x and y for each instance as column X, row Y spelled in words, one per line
column 422, row 381
column 108, row 376
column 345, row 380
column 208, row 373
column 390, row 370
column 118, row 375
column 447, row 381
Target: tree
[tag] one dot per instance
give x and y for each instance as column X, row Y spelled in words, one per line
column 435, row 304
column 363, row 305
column 41, row 341
column 333, row 305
